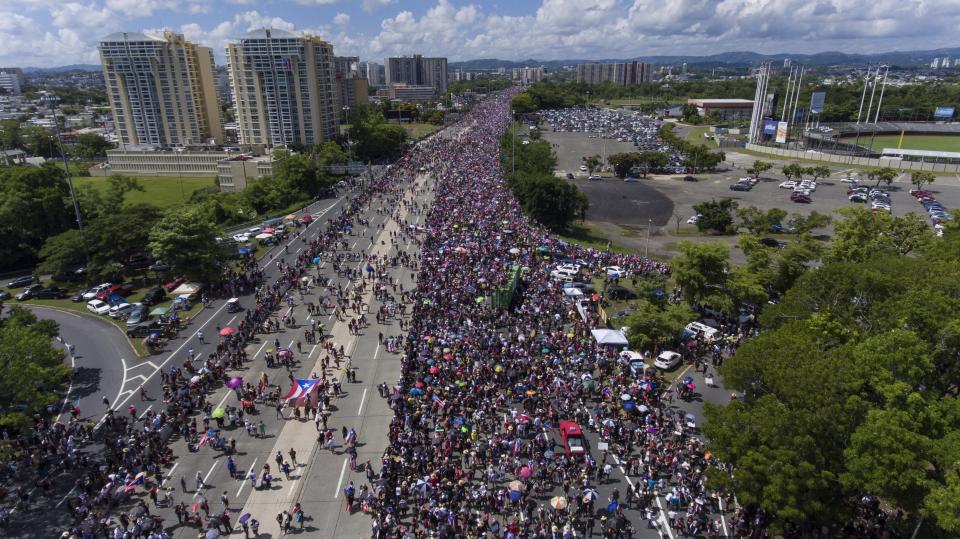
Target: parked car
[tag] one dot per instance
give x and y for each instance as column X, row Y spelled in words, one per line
column 790, row 184
column 143, row 328
column 154, row 296
column 800, row 197
column 616, row 272
column 92, row 292
column 4, row 295
column 583, row 168
column 159, row 266
column 242, row 237
column 857, row 197
column 595, row 177
column 112, row 290
column 741, row 187
column 139, row 313
column 29, row 292
column 21, row 282
column 172, row 285
column 667, row 360
column 570, row 175
column 120, row 310
column 693, row 219
column 51, row 293
column 770, row 242
column 572, row 438
column 586, row 287
column 98, row 307
column 689, row 178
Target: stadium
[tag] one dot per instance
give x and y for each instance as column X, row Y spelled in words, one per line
column 926, row 142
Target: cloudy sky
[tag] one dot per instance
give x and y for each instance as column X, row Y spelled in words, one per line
column 58, row 32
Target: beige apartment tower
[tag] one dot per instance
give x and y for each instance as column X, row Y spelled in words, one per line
column 284, row 88
column 162, row 90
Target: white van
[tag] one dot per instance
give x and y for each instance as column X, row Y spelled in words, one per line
column 563, row 275
column 696, row 328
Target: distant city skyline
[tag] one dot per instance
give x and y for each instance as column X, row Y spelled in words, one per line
column 43, row 33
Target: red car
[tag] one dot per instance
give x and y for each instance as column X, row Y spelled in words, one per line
column 172, row 285
column 572, row 437
column 306, row 219
column 798, row 197
column 112, row 290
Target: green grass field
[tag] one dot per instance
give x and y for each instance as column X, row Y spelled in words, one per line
column 418, row 131
column 695, row 136
column 160, row 191
column 938, row 143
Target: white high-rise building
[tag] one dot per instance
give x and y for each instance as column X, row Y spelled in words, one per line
column 416, row 70
column 284, row 88
column 10, row 82
column 162, row 89
column 935, row 63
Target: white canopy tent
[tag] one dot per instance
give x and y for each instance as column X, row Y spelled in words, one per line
column 610, row 337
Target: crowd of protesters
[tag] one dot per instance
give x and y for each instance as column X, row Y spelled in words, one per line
column 473, row 450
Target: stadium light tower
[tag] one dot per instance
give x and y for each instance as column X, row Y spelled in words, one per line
column 886, row 69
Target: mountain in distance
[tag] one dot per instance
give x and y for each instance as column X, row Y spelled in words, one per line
column 735, row 59
column 62, row 69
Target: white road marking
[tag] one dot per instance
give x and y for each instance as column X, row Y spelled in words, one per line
column 212, row 467
column 363, row 399
column 343, row 470
column 169, row 474
column 145, row 411
column 243, row 481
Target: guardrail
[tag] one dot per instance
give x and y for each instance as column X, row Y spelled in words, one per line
column 897, row 164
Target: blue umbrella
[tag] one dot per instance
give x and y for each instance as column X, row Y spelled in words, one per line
column 244, row 250
column 612, row 507
column 316, row 260
column 688, row 379
column 514, row 495
column 628, row 405
column 659, row 293
column 416, row 391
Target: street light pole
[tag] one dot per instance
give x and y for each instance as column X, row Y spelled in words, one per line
column 66, row 166
column 646, row 248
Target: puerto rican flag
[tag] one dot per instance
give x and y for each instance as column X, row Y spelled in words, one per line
column 303, row 389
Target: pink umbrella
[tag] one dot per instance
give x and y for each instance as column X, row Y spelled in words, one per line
column 525, row 472
column 418, row 384
column 691, row 386
column 434, row 370
column 227, row 331
column 234, row 382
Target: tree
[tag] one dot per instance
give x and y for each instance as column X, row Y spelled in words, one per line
column 699, row 158
column 861, row 234
column 652, row 326
column 623, row 162
column 32, row 371
column 90, row 146
column 819, row 171
column 882, row 175
column 62, row 253
column 114, row 237
column 523, row 103
column 792, row 170
column 551, row 201
column 919, row 178
column 759, row 167
column 373, row 138
column 716, row 215
column 654, row 160
column 758, row 221
column 34, row 205
column 700, row 271
column 803, row 224
column 186, row 240
column 10, row 134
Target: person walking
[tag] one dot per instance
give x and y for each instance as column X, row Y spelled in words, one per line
column 200, row 337
column 200, row 483
column 293, row 457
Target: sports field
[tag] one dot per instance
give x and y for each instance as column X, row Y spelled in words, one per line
column 938, row 143
column 160, row 191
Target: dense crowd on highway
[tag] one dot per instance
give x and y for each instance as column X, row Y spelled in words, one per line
column 473, row 448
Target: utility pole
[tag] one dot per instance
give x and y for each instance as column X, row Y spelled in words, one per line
column 66, row 168
column 646, row 248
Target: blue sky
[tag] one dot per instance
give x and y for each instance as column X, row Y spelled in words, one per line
column 58, row 32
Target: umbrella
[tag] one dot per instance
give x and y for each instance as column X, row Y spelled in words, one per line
column 227, row 331
column 691, row 386
column 234, row 382
column 243, row 250
column 515, row 485
column 434, row 370
column 559, row 502
column 628, row 405
column 514, row 495
column 612, row 506
column 195, row 379
column 642, row 408
column 416, row 391
column 212, row 533
column 625, row 397
column 218, row 413
column 525, row 472
column 688, row 379
column 589, row 495
column 243, row 518
column 514, row 251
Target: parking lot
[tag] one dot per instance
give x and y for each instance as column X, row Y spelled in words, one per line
column 615, row 204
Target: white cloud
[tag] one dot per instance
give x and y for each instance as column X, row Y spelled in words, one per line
column 341, row 19
column 316, row 2
column 372, row 5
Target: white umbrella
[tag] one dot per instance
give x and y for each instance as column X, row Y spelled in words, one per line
column 608, row 422
column 642, row 408
column 625, row 397
column 590, row 494
column 514, row 251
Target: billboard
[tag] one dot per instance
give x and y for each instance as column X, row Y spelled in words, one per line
column 782, row 132
column 816, row 102
column 769, row 127
column 944, row 112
